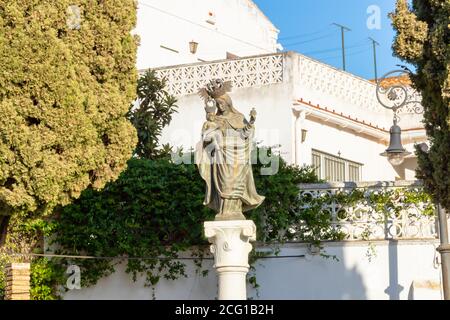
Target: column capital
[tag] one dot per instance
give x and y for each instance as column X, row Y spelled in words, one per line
column 230, row 241
column 230, row 245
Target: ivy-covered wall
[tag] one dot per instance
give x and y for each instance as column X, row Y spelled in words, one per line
column 154, row 212
column 155, row 209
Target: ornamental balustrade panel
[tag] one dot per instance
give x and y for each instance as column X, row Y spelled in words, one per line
column 369, row 219
column 246, row 72
column 327, row 80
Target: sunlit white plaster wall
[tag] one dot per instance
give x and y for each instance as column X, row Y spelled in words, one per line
column 350, row 146
column 240, row 28
column 273, row 126
column 390, row 271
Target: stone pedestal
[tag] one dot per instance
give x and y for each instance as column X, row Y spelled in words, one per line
column 17, row 281
column 230, row 246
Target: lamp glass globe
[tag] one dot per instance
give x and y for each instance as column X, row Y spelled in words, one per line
column 396, row 159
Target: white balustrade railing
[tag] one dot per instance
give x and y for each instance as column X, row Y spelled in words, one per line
column 244, row 72
column 273, row 68
column 367, row 219
column 319, row 77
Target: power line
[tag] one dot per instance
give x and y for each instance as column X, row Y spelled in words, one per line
column 303, row 35
column 202, row 26
column 48, row 255
column 355, row 45
column 348, row 55
column 310, row 40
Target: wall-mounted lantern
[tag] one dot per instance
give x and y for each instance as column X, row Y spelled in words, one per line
column 304, row 132
column 193, row 47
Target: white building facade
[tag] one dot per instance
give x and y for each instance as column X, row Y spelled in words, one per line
column 319, row 115
column 221, row 28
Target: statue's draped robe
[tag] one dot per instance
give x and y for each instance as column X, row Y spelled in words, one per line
column 224, row 161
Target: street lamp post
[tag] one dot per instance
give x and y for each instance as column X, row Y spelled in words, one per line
column 444, row 250
column 395, row 97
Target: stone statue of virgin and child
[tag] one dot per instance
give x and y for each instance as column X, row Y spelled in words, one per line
column 224, row 154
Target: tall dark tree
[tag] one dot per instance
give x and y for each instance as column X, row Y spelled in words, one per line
column 151, row 114
column 423, row 39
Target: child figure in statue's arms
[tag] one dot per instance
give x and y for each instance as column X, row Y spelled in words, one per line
column 211, row 136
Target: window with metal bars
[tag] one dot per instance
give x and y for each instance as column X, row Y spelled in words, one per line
column 334, row 168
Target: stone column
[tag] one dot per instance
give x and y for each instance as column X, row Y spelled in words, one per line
column 230, row 246
column 17, row 281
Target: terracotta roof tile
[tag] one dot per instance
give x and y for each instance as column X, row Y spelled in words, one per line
column 387, row 82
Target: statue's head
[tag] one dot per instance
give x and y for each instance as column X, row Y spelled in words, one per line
column 217, row 90
column 224, row 103
column 210, row 116
column 214, row 89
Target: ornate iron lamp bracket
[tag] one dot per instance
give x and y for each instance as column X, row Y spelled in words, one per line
column 398, row 96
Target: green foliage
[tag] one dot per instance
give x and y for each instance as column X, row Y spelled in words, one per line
column 423, row 37
column 280, row 207
column 25, row 238
column 64, row 96
column 153, row 113
column 46, row 276
column 154, row 212
column 2, row 279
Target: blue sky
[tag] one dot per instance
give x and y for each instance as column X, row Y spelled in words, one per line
column 306, row 27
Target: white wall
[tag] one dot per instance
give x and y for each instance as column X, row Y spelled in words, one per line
column 393, row 272
column 343, row 95
column 338, row 91
column 407, row 169
column 273, row 124
column 351, row 146
column 353, row 124
column 240, row 28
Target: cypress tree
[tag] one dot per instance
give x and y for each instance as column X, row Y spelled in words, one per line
column 67, row 78
column 423, row 39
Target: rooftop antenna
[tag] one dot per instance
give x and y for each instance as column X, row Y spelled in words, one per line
column 343, row 29
column 375, row 44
